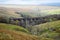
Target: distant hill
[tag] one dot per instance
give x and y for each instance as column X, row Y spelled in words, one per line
column 52, row 4
column 8, row 12
column 32, row 11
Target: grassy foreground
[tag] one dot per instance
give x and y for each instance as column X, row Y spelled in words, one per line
column 13, row 32
column 14, row 35
column 46, row 31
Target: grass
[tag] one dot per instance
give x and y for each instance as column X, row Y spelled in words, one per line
column 14, row 35
column 13, row 32
column 46, row 31
column 12, row 27
column 50, row 30
column 50, row 26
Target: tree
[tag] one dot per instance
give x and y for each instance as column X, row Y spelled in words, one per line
column 16, row 22
column 4, row 19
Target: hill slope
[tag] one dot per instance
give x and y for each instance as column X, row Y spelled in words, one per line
column 13, row 32
column 14, row 35
column 12, row 27
column 47, row 30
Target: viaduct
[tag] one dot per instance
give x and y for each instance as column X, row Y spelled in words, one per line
column 27, row 22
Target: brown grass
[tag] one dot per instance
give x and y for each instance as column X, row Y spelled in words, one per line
column 13, row 35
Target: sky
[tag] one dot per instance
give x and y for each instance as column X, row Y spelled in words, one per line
column 28, row 2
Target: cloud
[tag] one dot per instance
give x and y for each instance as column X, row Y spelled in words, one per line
column 20, row 2
column 27, row 1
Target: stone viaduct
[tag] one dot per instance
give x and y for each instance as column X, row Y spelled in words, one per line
column 27, row 22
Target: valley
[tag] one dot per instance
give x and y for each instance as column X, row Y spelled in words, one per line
column 19, row 22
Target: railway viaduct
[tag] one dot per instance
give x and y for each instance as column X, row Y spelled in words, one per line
column 27, row 22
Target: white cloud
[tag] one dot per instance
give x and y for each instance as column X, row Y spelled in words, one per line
column 20, row 2
column 27, row 1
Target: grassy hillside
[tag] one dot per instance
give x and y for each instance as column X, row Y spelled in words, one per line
column 47, row 30
column 13, row 32
column 12, row 27
column 51, row 30
column 14, row 35
column 50, row 25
